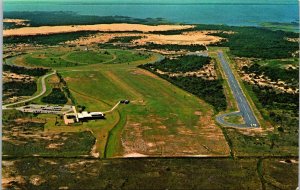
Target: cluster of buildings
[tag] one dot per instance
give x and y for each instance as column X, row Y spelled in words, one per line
column 70, row 115
column 70, row 118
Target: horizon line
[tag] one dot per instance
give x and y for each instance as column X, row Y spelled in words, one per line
column 149, row 3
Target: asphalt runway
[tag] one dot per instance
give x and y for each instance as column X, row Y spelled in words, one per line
column 244, row 107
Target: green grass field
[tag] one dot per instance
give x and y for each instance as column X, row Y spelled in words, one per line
column 161, row 119
column 235, row 119
column 158, row 112
column 88, row 57
column 71, row 57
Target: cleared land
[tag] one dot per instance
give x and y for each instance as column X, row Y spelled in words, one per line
column 27, row 31
column 186, row 38
column 161, row 120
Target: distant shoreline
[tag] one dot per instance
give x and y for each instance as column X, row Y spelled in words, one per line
column 232, row 14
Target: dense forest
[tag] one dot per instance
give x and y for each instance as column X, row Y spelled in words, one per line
column 24, row 70
column 282, row 109
column 258, row 42
column 124, row 39
column 173, row 47
column 66, row 89
column 57, row 96
column 56, row 18
column 254, row 42
column 182, row 64
column 15, row 88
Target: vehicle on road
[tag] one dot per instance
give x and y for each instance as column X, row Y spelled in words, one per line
column 124, row 101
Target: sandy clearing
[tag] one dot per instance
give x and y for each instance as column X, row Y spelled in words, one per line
column 8, row 20
column 186, row 38
column 18, row 22
column 97, row 27
column 100, row 38
column 134, row 155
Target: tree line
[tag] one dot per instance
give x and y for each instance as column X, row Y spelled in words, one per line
column 185, row 63
column 24, row 70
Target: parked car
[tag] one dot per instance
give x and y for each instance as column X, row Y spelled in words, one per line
column 124, row 101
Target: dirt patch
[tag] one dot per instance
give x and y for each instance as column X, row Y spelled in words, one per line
column 153, row 137
column 37, row 180
column 55, row 145
column 7, row 181
column 197, row 112
column 255, row 131
column 134, row 155
column 137, row 72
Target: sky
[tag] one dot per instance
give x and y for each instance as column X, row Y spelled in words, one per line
column 168, row 1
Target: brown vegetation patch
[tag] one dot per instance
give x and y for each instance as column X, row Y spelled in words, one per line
column 37, row 180
column 263, row 80
column 100, row 38
column 255, row 131
column 9, row 77
column 197, row 113
column 54, row 145
column 207, row 72
column 176, row 140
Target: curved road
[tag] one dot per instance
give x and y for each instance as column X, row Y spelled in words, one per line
column 44, row 88
column 221, row 119
column 243, row 105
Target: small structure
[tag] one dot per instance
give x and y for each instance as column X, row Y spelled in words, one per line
column 69, row 118
column 199, row 53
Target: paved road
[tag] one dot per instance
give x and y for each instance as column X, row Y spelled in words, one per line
column 44, row 88
column 112, row 109
column 242, row 102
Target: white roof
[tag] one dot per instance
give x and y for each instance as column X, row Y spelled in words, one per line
column 88, row 115
column 84, row 115
column 96, row 113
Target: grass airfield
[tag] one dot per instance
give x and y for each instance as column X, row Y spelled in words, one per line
column 161, row 120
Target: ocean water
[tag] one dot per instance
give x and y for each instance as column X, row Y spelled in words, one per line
column 229, row 14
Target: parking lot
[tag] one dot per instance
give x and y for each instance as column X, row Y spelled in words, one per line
column 46, row 109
